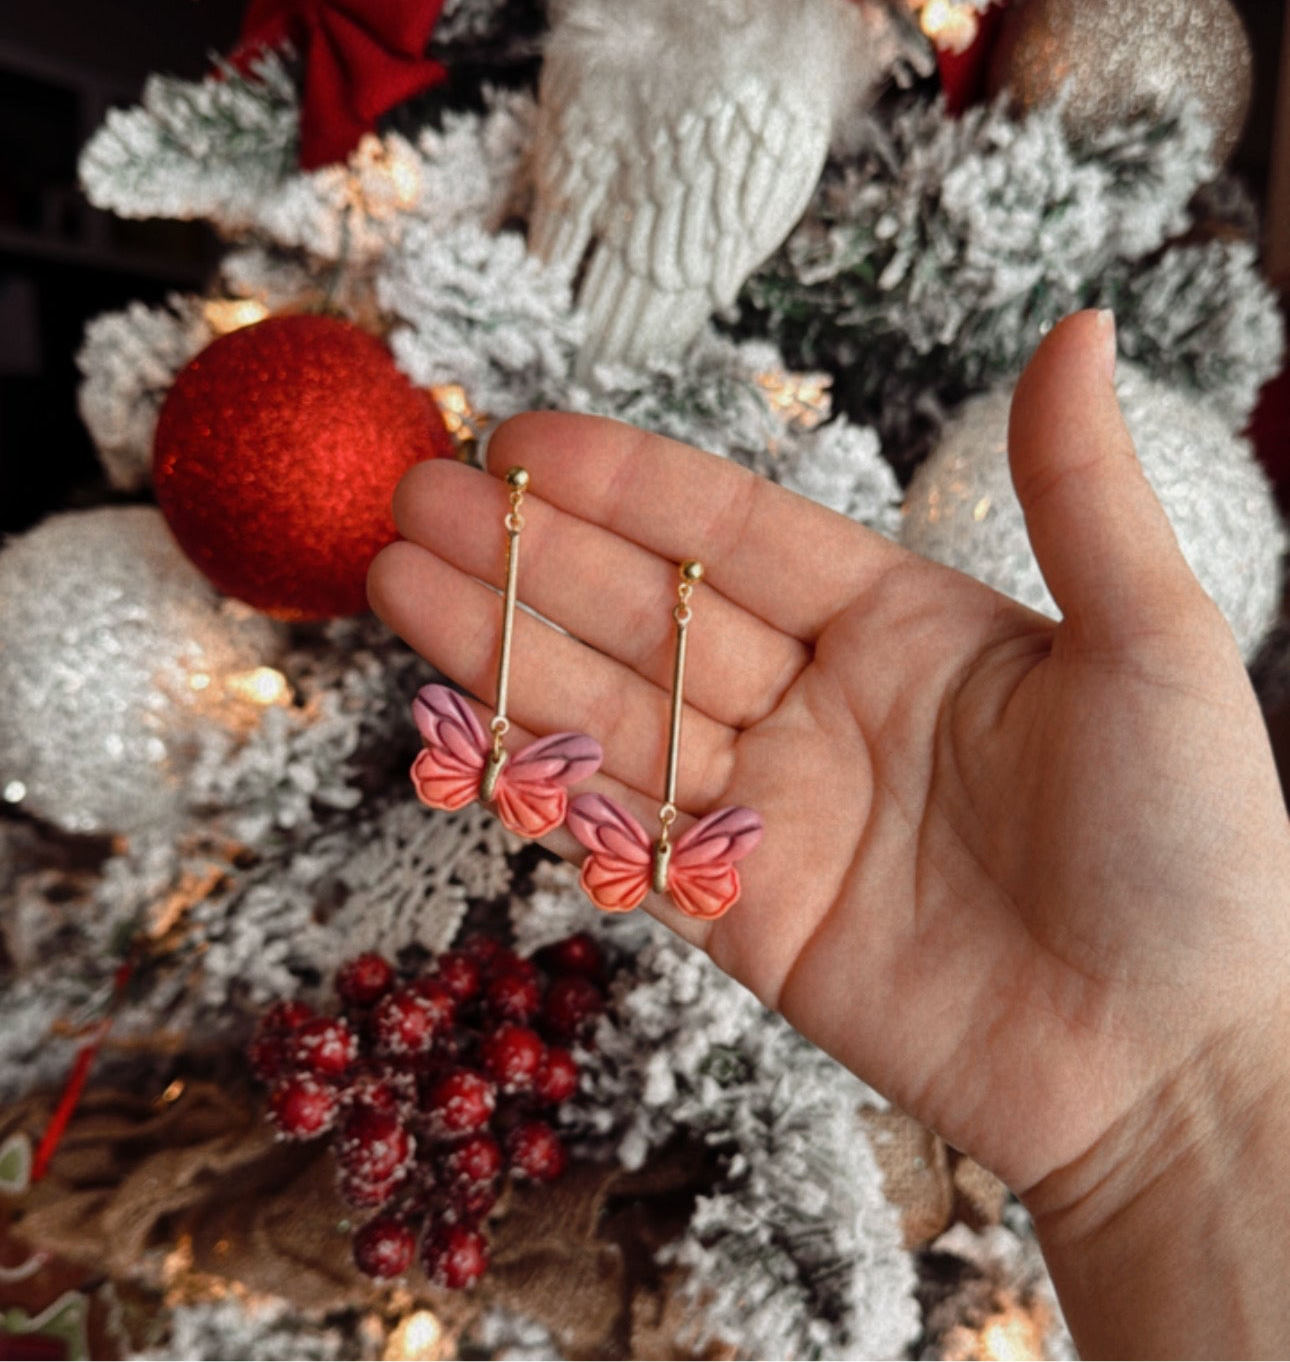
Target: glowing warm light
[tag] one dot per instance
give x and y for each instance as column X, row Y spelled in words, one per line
column 405, row 176
column 172, row 1094
column 231, row 314
column 178, row 1261
column 199, row 680
column 981, row 509
column 802, row 400
column 418, row 1338
column 261, row 685
column 1011, row 1337
column 384, row 177
column 462, row 420
column 952, row 27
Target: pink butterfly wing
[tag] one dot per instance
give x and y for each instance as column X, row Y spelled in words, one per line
column 531, row 795
column 447, row 770
column 702, row 877
column 616, row 876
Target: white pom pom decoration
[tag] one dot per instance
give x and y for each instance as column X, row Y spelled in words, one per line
column 961, row 509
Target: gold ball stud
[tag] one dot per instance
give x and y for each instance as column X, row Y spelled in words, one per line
column 692, row 571
column 517, row 479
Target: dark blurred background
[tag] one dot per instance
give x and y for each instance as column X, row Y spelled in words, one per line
column 63, row 64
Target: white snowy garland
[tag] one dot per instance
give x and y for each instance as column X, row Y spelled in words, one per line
column 480, row 311
column 1201, row 318
column 795, row 1253
column 261, row 1327
column 217, row 148
column 931, row 259
column 129, row 359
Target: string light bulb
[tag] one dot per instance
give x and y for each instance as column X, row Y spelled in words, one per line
column 801, row 400
column 261, row 686
column 952, row 27
column 1012, row 1336
column 417, row 1337
column 384, row 177
column 232, row 314
column 463, row 421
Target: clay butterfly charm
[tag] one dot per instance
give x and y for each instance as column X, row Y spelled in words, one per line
column 697, row 869
column 460, row 762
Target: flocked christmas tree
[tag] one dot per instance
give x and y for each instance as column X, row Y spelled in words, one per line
column 818, row 239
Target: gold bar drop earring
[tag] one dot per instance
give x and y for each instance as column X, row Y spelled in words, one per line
column 460, row 762
column 697, row 869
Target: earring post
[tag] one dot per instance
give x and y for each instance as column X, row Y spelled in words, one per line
column 517, row 479
column 691, row 573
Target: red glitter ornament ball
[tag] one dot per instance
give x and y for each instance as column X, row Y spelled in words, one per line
column 277, row 453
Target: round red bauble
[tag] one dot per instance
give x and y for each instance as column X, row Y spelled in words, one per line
column 277, row 453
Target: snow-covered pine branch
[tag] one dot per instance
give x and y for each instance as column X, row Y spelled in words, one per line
column 215, row 148
column 795, row 1253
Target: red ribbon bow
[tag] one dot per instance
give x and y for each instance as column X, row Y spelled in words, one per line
column 361, row 57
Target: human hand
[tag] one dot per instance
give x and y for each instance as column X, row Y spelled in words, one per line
column 1023, row 878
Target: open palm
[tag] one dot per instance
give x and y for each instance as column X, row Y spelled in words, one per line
column 1003, row 871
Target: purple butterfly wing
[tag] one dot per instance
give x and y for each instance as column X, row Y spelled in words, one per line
column 616, row 875
column 702, row 877
column 531, row 795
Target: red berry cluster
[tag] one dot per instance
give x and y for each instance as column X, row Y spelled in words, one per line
column 433, row 1090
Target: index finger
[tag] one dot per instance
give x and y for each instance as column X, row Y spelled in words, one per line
column 787, row 560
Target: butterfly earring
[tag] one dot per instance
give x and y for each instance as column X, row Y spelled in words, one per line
column 460, row 762
column 697, row 869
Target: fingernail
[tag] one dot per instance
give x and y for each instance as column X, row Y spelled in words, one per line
column 1106, row 324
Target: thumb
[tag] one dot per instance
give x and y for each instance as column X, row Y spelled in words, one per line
column 1102, row 539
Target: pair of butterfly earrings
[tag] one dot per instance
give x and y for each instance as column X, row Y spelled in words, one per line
column 460, row 762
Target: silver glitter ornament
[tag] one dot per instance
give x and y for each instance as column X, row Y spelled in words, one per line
column 117, row 658
column 1116, row 60
column 961, row 510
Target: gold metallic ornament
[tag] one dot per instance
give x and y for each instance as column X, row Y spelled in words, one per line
column 1117, row 60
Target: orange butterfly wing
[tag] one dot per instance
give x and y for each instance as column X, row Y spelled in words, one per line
column 447, row 771
column 701, row 876
column 531, row 794
column 616, row 876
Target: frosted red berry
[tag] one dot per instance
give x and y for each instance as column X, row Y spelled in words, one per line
column 374, row 1146
column 486, row 949
column 461, row 1101
column 572, row 1001
column 403, row 1023
column 469, row 1203
column 557, row 1077
column 513, row 995
column 268, row 1056
column 367, row 1195
column 454, row 1256
column 512, row 1054
column 365, row 979
column 302, row 1106
column 461, row 974
column 379, row 1089
column 384, row 1248
column 324, row 1046
column 578, row 954
column 536, row 1151
column 475, row 1159
column 439, row 1001
column 284, row 1016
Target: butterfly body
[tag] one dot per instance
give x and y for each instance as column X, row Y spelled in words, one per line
column 697, row 868
column 458, row 764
